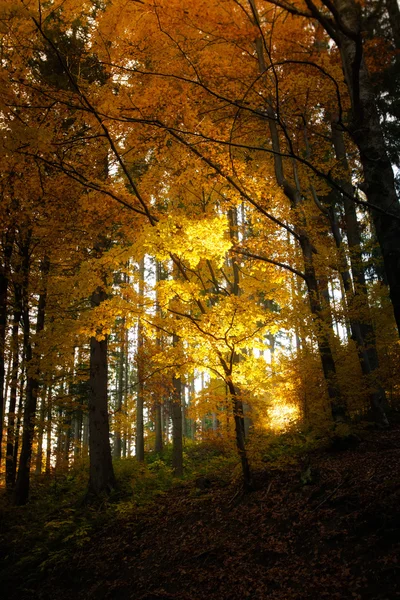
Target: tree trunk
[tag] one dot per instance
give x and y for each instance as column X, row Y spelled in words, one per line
column 48, row 432
column 237, row 406
column 176, row 415
column 10, row 467
column 39, row 453
column 21, row 492
column 67, row 439
column 140, row 375
column 120, row 391
column 158, row 427
column 19, row 418
column 101, row 478
column 85, row 434
column 4, row 282
column 77, row 428
column 60, row 427
column 392, row 7
column 338, row 407
column 362, row 331
column 366, row 132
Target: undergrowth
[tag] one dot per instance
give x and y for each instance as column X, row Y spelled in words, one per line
column 58, row 521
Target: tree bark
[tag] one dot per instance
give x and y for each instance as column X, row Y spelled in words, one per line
column 176, row 415
column 366, row 131
column 338, row 406
column 10, row 467
column 39, row 453
column 4, row 284
column 362, row 331
column 140, row 375
column 19, row 417
column 120, row 390
column 392, row 7
column 85, row 434
column 158, row 427
column 48, row 431
column 101, row 478
column 21, row 492
column 237, row 406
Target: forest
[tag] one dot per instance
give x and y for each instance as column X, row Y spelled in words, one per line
column 199, row 299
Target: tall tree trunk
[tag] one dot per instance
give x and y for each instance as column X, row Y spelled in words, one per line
column 101, row 473
column 140, row 375
column 19, row 418
column 21, row 492
column 85, row 434
column 192, row 391
column 67, row 439
column 41, row 426
column 77, row 429
column 60, row 433
column 237, row 406
column 120, row 389
column 362, row 331
column 61, row 417
column 393, row 9
column 10, row 467
column 4, row 283
column 176, row 415
column 158, row 427
column 236, row 291
column 49, row 423
column 338, row 406
column 366, row 131
column 158, row 407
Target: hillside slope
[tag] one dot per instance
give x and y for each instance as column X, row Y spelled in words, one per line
column 328, row 527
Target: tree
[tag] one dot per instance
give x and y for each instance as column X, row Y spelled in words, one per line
column 21, row 491
column 343, row 24
column 102, row 477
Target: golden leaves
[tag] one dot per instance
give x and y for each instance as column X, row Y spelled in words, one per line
column 191, row 240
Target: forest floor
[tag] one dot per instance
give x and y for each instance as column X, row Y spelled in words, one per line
column 324, row 526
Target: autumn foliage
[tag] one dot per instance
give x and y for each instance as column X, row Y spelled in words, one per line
column 197, row 241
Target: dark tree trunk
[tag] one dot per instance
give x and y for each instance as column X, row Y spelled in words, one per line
column 41, row 424
column 392, row 7
column 237, row 406
column 48, row 432
column 362, row 331
column 10, row 467
column 120, row 390
column 60, row 433
column 176, row 416
column 366, row 132
column 4, row 283
column 140, row 376
column 21, row 492
column 67, row 439
column 158, row 407
column 101, row 471
column 19, row 420
column 78, row 423
column 158, row 427
column 338, row 407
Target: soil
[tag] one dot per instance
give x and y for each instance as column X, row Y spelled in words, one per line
column 326, row 527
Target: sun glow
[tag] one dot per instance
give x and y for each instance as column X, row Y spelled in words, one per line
column 282, row 416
